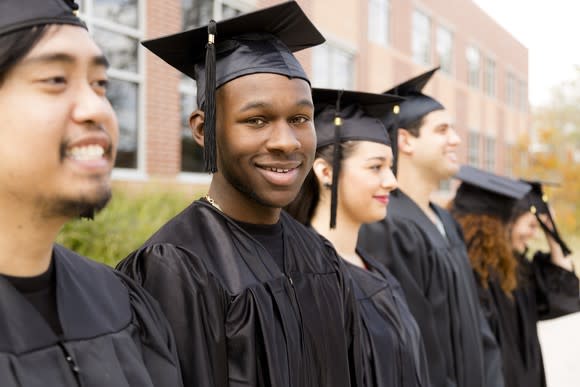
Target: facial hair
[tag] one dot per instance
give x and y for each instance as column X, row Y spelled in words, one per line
column 81, row 207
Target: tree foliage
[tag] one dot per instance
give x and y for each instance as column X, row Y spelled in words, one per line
column 552, row 153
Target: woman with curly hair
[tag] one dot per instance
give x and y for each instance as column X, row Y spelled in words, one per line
column 348, row 186
column 515, row 293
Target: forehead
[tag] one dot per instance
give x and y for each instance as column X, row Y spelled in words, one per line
column 266, row 86
column 68, row 40
column 370, row 149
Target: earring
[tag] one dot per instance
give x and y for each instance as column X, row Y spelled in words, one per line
column 327, row 185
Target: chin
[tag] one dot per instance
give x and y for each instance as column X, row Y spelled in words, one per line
column 274, row 199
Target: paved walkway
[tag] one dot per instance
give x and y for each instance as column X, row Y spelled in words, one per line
column 560, row 340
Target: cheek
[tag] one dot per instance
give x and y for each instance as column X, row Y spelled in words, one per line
column 307, row 139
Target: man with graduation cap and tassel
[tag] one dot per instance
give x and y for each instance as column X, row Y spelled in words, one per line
column 254, row 297
column 424, row 249
column 64, row 320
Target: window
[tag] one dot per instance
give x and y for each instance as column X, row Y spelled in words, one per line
column 421, row 38
column 509, row 160
column 445, row 49
column 489, row 154
column 379, row 18
column 473, row 148
column 333, row 67
column 489, row 85
column 523, row 96
column 473, row 66
column 117, row 29
column 511, row 84
column 196, row 13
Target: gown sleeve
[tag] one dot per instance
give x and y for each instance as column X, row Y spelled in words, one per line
column 155, row 336
column 557, row 289
column 194, row 304
column 402, row 248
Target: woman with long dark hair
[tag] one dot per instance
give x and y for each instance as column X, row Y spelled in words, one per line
column 515, row 292
column 349, row 186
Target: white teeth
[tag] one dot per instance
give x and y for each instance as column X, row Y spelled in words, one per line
column 86, row 153
column 278, row 170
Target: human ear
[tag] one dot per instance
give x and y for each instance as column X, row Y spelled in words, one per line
column 323, row 172
column 196, row 123
column 405, row 141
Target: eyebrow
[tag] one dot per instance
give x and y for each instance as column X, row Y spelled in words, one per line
column 380, row 158
column 98, row 60
column 263, row 105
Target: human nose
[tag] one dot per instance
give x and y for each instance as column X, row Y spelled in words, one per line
column 454, row 138
column 92, row 107
column 283, row 138
column 389, row 180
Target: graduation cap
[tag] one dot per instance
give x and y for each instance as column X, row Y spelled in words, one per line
column 20, row 14
column 415, row 106
column 341, row 116
column 536, row 201
column 486, row 193
column 257, row 42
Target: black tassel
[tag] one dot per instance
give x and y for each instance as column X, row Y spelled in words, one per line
column 394, row 135
column 209, row 134
column 336, row 159
column 553, row 232
column 73, row 6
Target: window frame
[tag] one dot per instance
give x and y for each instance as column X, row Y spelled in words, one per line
column 138, row 78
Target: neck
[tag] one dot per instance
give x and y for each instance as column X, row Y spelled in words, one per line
column 240, row 206
column 26, row 240
column 417, row 184
column 343, row 237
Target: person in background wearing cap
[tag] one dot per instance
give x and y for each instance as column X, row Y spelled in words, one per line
column 253, row 296
column 514, row 292
column 64, row 320
column 348, row 186
column 423, row 247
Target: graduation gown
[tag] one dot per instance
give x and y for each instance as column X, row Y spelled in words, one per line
column 544, row 291
column 114, row 334
column 393, row 350
column 238, row 318
column 438, row 283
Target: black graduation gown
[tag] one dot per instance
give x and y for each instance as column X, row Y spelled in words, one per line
column 114, row 334
column 438, row 283
column 238, row 319
column 392, row 345
column 544, row 291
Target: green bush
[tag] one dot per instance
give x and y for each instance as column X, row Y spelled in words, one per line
column 127, row 222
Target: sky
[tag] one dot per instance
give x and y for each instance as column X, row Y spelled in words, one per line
column 551, row 32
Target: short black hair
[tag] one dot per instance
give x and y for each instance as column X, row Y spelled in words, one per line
column 414, row 127
column 16, row 45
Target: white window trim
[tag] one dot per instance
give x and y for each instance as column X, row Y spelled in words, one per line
column 138, row 173
column 452, row 31
column 388, row 38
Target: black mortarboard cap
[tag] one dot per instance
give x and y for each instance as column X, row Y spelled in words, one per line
column 537, row 202
column 482, row 192
column 20, row 14
column 341, row 116
column 256, row 42
column 415, row 106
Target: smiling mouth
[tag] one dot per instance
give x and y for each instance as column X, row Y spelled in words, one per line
column 278, row 170
column 86, row 152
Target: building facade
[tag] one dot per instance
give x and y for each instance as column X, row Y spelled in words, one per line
column 371, row 46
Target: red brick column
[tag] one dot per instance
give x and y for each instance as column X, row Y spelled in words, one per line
column 162, row 121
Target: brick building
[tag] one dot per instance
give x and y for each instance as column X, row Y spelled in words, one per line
column 371, row 45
